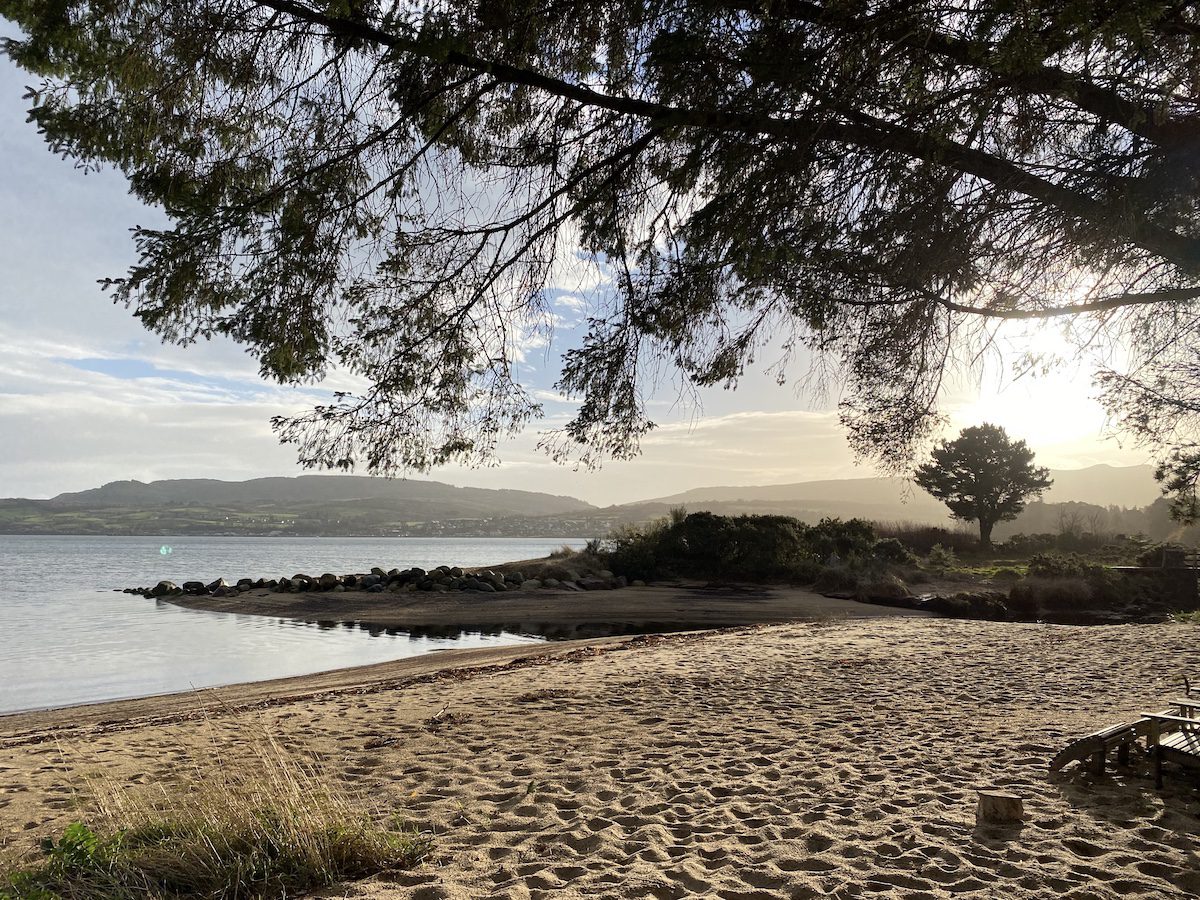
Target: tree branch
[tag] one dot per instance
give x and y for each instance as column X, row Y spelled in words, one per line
column 868, row 132
column 1107, row 105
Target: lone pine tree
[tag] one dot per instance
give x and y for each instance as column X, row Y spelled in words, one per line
column 984, row 477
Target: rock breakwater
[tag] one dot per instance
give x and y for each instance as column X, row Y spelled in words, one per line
column 442, row 579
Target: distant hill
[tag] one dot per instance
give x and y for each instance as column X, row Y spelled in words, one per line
column 307, row 505
column 431, row 497
column 894, row 499
column 335, row 505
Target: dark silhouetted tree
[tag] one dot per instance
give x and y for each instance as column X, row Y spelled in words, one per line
column 391, row 188
column 983, row 477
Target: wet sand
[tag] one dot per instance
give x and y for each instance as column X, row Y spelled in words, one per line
column 824, row 759
column 558, row 614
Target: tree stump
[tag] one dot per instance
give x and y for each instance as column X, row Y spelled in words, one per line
column 995, row 808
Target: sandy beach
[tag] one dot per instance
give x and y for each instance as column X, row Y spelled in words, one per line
column 825, row 759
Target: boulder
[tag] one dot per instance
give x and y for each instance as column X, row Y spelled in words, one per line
column 551, row 582
column 165, row 589
column 216, row 585
column 378, row 572
column 193, row 587
column 416, row 572
column 370, row 581
column 594, row 584
column 456, row 572
column 375, row 589
column 605, row 574
column 329, row 581
column 245, row 584
column 531, row 584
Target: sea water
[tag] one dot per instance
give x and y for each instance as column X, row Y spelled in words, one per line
column 67, row 636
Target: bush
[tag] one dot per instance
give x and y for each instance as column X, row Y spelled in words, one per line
column 941, row 557
column 830, row 536
column 753, row 548
column 891, row 550
column 1070, row 565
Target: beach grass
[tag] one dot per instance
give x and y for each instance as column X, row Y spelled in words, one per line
column 268, row 824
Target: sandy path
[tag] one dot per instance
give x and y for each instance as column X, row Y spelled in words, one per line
column 797, row 761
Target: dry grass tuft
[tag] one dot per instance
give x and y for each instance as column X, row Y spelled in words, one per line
column 268, row 824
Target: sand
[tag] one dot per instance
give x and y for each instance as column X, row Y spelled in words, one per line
column 669, row 607
column 830, row 759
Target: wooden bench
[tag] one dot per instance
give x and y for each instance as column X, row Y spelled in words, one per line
column 1175, row 736
column 1172, row 735
column 1096, row 746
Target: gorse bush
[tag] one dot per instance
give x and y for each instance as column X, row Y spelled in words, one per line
column 753, row 548
column 270, row 826
column 1058, row 565
column 941, row 557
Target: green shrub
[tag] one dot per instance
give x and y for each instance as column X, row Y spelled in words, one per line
column 891, row 550
column 1057, row 565
column 751, row 548
column 830, row 536
column 941, row 557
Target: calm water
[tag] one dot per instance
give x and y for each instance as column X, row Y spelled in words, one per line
column 66, row 638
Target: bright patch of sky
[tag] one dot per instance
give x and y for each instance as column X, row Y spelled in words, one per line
column 87, row 396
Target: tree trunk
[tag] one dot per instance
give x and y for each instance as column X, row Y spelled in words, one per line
column 985, row 534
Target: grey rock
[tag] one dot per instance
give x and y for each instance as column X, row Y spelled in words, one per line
column 165, row 589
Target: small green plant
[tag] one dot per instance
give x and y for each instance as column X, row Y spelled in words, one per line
column 941, row 558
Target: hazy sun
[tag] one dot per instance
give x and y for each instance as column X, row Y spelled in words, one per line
column 1038, row 387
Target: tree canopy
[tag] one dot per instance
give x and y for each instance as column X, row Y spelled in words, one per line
column 984, row 477
column 392, row 187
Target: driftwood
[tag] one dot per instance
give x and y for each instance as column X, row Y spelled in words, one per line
column 995, row 808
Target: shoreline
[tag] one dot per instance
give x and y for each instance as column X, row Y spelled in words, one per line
column 801, row 760
column 40, row 725
column 681, row 606
column 561, row 617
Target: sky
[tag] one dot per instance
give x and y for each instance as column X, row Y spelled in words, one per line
column 87, row 396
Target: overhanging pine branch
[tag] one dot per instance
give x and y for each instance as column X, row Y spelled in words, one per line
column 1107, row 105
column 866, row 131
